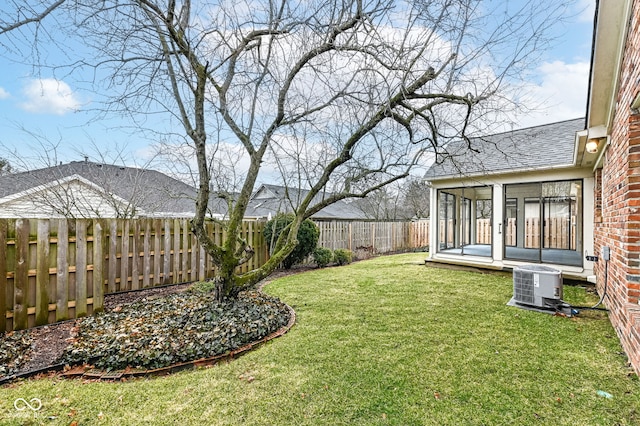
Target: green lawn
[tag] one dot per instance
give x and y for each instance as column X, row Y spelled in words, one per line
column 386, row 341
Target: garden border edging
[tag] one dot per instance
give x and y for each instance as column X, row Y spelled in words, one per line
column 88, row 372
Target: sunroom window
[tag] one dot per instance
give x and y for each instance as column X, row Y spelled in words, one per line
column 543, row 222
column 464, row 220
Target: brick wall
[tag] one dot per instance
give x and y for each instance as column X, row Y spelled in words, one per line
column 618, row 227
column 597, row 199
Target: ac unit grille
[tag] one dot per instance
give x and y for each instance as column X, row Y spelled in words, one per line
column 537, row 285
column 523, row 290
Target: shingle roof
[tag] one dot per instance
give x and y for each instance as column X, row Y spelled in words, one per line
column 539, row 147
column 272, row 199
column 150, row 190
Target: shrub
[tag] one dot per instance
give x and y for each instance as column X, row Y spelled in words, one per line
column 322, row 256
column 308, row 235
column 342, row 256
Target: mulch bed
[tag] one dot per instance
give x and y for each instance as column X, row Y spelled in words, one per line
column 50, row 341
column 88, row 372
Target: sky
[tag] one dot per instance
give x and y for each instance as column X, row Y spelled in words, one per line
column 45, row 120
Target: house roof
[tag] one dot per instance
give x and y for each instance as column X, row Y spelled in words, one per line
column 152, row 192
column 533, row 148
column 273, row 199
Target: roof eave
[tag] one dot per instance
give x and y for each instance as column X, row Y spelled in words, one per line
column 612, row 18
column 502, row 172
column 56, row 183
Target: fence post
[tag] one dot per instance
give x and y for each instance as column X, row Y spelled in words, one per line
column 373, row 237
column 185, row 250
column 113, row 247
column 62, row 271
column 81, row 268
column 21, row 278
column 98, row 267
column 146, row 261
column 125, row 272
column 166, row 269
column 394, row 235
column 195, row 249
column 42, row 272
column 412, row 233
column 157, row 252
column 135, row 255
column 3, row 275
column 176, row 251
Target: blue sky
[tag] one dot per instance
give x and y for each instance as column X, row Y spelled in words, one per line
column 39, row 112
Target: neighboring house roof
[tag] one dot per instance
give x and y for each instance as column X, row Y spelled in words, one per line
column 533, row 148
column 129, row 191
column 274, row 199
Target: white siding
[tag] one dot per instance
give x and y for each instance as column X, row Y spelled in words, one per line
column 498, row 182
column 69, row 199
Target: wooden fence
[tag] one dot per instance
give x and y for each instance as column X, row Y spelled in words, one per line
column 419, row 234
column 559, row 233
column 483, row 231
column 56, row 269
column 374, row 237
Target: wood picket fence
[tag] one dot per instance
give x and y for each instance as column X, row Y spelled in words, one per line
column 376, row 237
column 559, row 232
column 57, row 269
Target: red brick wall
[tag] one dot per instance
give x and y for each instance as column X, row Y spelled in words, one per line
column 597, row 199
column 619, row 224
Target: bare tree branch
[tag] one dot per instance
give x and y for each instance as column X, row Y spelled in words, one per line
column 341, row 98
column 27, row 15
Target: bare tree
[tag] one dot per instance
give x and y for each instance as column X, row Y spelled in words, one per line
column 342, row 97
column 416, row 198
column 26, row 13
column 5, row 166
column 383, row 204
column 405, row 200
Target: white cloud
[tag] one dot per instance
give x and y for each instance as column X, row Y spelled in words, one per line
column 4, row 94
column 49, row 96
column 562, row 93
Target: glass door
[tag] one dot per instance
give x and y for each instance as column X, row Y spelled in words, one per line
column 543, row 222
column 522, row 222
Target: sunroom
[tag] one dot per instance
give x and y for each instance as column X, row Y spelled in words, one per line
column 519, row 197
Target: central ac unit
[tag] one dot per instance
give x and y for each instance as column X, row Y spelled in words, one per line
column 537, row 286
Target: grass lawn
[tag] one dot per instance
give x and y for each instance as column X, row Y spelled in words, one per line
column 385, row 341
